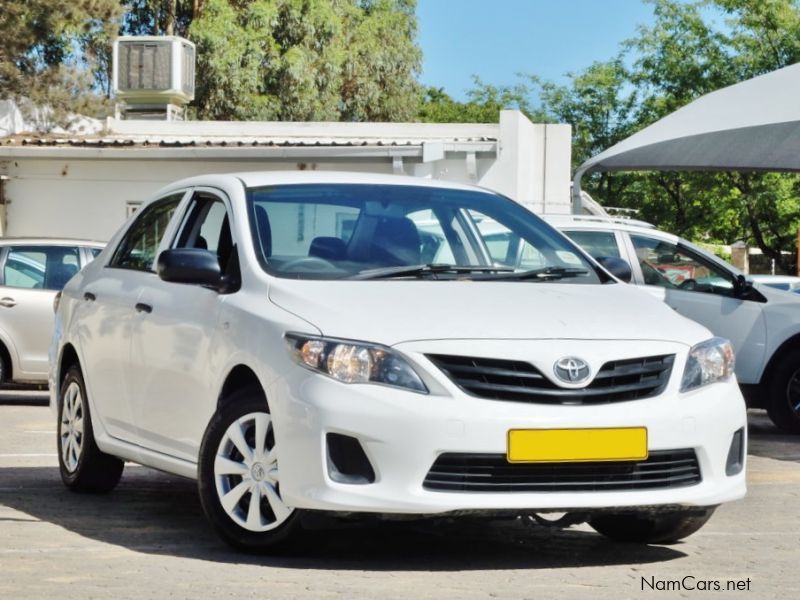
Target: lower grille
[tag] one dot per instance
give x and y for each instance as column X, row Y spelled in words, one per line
column 493, row 473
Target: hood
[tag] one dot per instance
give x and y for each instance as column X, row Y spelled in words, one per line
column 394, row 311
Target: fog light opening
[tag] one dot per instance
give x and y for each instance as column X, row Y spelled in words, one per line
column 347, row 462
column 735, row 462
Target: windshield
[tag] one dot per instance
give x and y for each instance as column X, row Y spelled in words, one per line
column 361, row 231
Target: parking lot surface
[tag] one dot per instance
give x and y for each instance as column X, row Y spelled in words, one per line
column 149, row 539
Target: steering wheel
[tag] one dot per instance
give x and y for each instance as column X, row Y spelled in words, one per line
column 309, row 263
column 688, row 285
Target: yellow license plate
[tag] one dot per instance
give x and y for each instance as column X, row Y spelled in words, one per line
column 577, row 445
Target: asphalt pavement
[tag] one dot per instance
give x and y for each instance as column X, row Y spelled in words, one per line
column 149, row 539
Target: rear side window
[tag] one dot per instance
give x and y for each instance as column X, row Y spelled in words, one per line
column 138, row 248
column 40, row 267
column 596, row 243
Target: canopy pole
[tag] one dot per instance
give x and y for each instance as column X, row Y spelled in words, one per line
column 577, row 200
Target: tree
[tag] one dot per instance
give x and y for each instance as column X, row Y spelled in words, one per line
column 294, row 60
column 47, row 51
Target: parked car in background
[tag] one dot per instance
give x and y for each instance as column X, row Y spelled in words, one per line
column 32, row 272
column 284, row 339
column 762, row 322
column 787, row 283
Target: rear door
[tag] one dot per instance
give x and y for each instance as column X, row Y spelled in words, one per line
column 107, row 311
column 30, row 276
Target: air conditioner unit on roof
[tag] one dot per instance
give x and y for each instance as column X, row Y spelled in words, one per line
column 154, row 70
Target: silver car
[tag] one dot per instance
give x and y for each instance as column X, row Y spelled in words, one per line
column 32, row 272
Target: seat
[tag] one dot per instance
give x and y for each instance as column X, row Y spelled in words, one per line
column 263, row 231
column 395, row 242
column 58, row 275
column 328, row 248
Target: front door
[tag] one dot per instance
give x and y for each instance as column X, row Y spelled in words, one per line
column 705, row 292
column 173, row 349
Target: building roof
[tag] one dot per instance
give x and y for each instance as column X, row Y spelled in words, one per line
column 236, row 139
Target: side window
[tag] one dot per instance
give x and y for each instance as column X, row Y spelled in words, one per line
column 138, row 248
column 668, row 265
column 40, row 267
column 207, row 227
column 596, row 243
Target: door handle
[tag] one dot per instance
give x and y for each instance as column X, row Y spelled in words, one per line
column 89, row 296
column 142, row 307
column 8, row 302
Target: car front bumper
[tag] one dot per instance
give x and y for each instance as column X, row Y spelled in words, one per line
column 402, row 433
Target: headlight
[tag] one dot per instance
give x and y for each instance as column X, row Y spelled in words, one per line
column 354, row 362
column 708, row 362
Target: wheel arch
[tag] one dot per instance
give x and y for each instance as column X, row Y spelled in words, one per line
column 9, row 353
column 790, row 344
column 238, row 378
column 67, row 358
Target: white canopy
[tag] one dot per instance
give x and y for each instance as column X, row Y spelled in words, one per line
column 752, row 125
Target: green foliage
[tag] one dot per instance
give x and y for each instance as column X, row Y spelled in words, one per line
column 48, row 51
column 692, row 48
column 295, row 60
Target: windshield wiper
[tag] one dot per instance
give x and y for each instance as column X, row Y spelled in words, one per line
column 418, row 270
column 543, row 274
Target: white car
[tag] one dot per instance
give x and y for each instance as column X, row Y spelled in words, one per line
column 32, row 272
column 787, row 283
column 762, row 323
column 277, row 337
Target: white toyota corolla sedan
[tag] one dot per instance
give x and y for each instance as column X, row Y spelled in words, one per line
column 351, row 343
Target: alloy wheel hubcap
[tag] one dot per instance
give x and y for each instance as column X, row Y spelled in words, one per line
column 246, row 474
column 71, row 426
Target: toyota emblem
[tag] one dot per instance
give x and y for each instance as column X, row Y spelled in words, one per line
column 571, row 369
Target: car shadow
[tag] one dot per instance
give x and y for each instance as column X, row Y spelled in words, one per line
column 18, row 395
column 156, row 513
column 767, row 441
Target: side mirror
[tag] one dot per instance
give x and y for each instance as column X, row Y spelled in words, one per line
column 191, row 266
column 742, row 286
column 618, row 267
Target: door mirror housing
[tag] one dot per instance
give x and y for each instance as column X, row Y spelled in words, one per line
column 192, row 266
column 618, row 267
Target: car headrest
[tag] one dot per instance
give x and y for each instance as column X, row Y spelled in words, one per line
column 396, row 242
column 329, row 248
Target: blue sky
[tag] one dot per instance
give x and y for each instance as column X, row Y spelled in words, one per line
column 495, row 39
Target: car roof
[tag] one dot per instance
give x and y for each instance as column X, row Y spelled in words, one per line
column 45, row 241
column 594, row 220
column 266, row 178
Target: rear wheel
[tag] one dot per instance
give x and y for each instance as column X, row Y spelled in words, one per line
column 783, row 402
column 83, row 467
column 3, row 368
column 239, row 480
column 649, row 528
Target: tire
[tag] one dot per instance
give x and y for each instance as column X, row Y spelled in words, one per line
column 649, row 528
column 233, row 467
column 783, row 396
column 83, row 467
column 4, row 370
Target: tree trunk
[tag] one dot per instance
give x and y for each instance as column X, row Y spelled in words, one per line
column 169, row 18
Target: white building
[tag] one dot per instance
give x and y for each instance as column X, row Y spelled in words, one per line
column 86, row 186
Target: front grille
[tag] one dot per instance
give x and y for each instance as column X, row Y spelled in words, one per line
column 493, row 473
column 515, row 380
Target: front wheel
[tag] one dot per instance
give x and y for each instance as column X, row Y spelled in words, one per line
column 239, row 480
column 783, row 401
column 649, row 528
